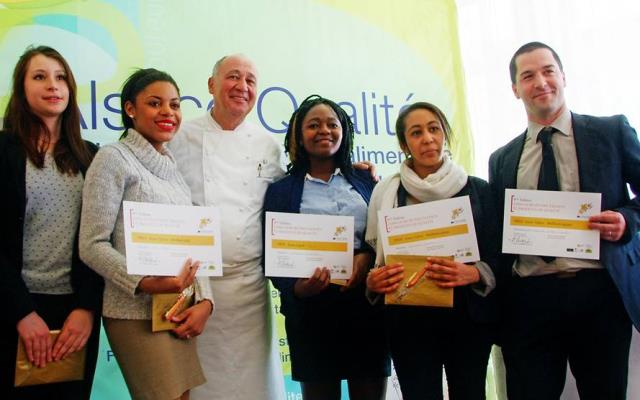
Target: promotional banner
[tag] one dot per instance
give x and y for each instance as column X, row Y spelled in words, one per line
column 372, row 57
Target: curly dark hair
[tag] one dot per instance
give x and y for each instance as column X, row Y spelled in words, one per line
column 293, row 141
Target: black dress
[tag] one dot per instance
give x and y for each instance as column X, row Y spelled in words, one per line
column 333, row 335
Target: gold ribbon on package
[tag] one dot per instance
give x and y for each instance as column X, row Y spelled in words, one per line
column 416, row 289
column 69, row 369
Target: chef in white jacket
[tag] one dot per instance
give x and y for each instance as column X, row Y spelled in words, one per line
column 228, row 163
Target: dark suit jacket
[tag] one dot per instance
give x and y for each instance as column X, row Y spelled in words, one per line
column 14, row 295
column 608, row 154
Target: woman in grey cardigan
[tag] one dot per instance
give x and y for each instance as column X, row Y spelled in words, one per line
column 140, row 168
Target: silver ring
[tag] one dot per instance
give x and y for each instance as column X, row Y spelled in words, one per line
column 188, row 336
column 609, row 234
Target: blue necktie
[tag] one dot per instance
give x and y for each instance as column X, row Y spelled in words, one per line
column 548, row 178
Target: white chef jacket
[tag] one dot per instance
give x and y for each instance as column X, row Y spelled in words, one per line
column 231, row 170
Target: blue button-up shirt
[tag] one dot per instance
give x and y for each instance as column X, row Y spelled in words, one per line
column 335, row 197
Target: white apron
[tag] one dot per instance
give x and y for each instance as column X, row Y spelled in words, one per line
column 231, row 170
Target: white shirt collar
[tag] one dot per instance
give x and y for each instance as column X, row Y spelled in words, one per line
column 308, row 177
column 562, row 124
column 216, row 125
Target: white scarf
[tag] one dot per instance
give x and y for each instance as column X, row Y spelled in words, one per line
column 446, row 182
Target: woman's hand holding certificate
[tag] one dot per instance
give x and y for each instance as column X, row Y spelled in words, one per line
column 307, row 287
column 171, row 284
column 361, row 263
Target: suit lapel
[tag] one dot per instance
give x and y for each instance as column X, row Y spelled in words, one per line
column 587, row 142
column 511, row 162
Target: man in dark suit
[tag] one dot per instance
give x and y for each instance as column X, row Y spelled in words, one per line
column 566, row 309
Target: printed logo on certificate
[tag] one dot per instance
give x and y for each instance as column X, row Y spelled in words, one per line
column 296, row 244
column 550, row 223
column 442, row 228
column 160, row 237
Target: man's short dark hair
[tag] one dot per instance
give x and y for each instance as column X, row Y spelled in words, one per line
column 527, row 48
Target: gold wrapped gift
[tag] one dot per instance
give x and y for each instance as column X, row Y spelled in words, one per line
column 166, row 305
column 69, row 369
column 416, row 289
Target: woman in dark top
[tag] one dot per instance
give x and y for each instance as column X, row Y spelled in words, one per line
column 44, row 285
column 333, row 333
column 424, row 339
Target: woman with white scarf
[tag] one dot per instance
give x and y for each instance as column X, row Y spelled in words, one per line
column 424, row 339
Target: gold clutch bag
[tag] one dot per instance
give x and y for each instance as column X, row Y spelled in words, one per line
column 69, row 369
column 415, row 289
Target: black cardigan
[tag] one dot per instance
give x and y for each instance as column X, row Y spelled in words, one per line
column 14, row 295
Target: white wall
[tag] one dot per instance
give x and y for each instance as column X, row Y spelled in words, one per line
column 597, row 42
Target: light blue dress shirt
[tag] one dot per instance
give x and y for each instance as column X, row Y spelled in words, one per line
column 335, row 197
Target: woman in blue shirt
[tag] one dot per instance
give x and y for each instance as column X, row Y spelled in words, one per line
column 333, row 333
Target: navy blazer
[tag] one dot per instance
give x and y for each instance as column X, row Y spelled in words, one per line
column 87, row 285
column 285, row 195
column 608, row 154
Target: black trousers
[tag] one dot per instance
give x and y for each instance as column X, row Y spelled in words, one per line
column 53, row 309
column 553, row 319
column 424, row 339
